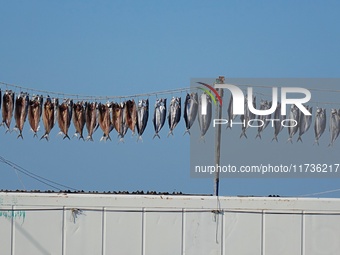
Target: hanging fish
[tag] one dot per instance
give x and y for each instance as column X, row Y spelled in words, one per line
column 231, row 116
column 294, row 120
column 20, row 113
column 204, row 113
column 118, row 119
column 278, row 121
column 79, row 119
column 174, row 114
column 125, row 118
column 142, row 116
column 65, row 116
column 131, row 115
column 190, row 110
column 35, row 108
column 247, row 116
column 319, row 124
column 159, row 115
column 7, row 108
column 104, row 120
column 49, row 115
column 334, row 126
column 264, row 105
column 91, row 119
column 305, row 122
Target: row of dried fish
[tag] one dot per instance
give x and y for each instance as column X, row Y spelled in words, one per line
column 129, row 115
column 298, row 121
column 119, row 116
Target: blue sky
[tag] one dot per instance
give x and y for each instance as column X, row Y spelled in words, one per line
column 112, row 48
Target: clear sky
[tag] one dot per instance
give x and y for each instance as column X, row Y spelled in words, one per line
column 110, row 48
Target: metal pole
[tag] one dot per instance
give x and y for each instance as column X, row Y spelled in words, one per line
column 218, row 115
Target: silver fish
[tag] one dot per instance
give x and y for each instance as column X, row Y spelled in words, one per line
column 142, row 117
column 264, row 105
column 231, row 116
column 204, row 120
column 125, row 118
column 21, row 110
column 79, row 119
column 34, row 113
column 159, row 115
column 7, row 108
column 174, row 114
column 334, row 126
column 190, row 110
column 104, row 120
column 248, row 115
column 319, row 124
column 131, row 115
column 49, row 115
column 91, row 119
column 294, row 118
column 65, row 116
column 278, row 120
column 305, row 122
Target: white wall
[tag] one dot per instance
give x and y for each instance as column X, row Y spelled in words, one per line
column 42, row 223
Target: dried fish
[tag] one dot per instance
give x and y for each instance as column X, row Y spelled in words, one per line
column 142, row 117
column 7, row 108
column 305, row 122
column 174, row 114
column 91, row 119
column 190, row 110
column 65, row 116
column 319, row 124
column 204, row 113
column 159, row 115
column 21, row 110
column 79, row 109
column 49, row 115
column 104, row 120
column 35, row 109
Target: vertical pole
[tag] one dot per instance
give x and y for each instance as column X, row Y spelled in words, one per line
column 218, row 115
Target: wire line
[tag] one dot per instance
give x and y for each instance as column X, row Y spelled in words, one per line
column 34, row 176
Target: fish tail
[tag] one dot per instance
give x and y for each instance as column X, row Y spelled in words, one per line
column 20, row 135
column 202, row 138
column 108, row 137
column 81, row 137
column 275, row 138
column 103, row 138
column 170, row 133
column 243, row 134
column 316, row 142
column 186, row 131
column 139, row 138
column 229, row 126
column 66, row 136
column 258, row 135
column 299, row 139
column 156, row 135
column 290, row 139
column 35, row 135
column 121, row 140
column 45, row 136
column 89, row 138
